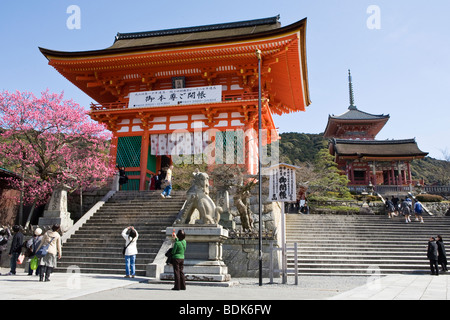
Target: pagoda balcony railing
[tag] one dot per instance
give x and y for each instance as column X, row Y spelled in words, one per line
column 226, row 98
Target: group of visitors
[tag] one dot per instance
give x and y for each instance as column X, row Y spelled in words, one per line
column 156, row 180
column 395, row 207
column 45, row 249
column 437, row 255
column 177, row 255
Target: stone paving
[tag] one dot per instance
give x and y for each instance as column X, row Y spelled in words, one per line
column 66, row 286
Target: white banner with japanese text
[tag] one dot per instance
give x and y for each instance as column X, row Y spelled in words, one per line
column 162, row 98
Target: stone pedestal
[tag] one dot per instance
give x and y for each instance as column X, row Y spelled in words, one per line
column 203, row 256
column 57, row 211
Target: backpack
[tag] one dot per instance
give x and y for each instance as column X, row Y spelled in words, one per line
column 418, row 207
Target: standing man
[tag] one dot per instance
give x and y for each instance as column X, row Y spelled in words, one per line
column 168, row 188
column 16, row 248
column 432, row 255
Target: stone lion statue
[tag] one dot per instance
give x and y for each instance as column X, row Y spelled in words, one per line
column 198, row 198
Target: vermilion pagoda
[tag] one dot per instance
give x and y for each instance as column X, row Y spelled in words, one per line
column 364, row 159
column 142, row 83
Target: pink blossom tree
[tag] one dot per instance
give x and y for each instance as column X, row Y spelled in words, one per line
column 50, row 142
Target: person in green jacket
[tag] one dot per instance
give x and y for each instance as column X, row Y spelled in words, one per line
column 179, row 247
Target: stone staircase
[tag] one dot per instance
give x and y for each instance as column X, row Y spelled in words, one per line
column 97, row 246
column 361, row 244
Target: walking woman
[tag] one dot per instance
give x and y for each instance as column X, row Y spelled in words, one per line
column 52, row 239
column 442, row 256
column 179, row 247
column 131, row 236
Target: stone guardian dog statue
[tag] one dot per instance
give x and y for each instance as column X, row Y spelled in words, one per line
column 198, row 198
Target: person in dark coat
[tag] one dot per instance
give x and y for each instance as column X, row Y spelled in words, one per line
column 432, row 255
column 442, row 256
column 123, row 178
column 390, row 208
column 158, row 179
column 16, row 249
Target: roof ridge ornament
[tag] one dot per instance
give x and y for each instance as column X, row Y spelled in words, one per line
column 350, row 88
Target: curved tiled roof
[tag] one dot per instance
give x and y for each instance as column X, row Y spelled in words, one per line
column 192, row 33
column 355, row 114
column 378, row 148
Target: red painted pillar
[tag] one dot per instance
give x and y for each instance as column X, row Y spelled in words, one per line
column 144, row 159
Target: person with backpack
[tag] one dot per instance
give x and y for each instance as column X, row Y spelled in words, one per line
column 51, row 251
column 32, row 245
column 418, row 210
column 406, row 210
column 390, row 208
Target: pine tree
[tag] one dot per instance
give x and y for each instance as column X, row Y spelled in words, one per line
column 330, row 182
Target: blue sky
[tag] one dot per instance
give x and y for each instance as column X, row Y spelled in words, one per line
column 401, row 68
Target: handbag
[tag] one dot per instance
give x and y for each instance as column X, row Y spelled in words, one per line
column 44, row 249
column 20, row 258
column 34, row 263
column 169, row 256
column 125, row 248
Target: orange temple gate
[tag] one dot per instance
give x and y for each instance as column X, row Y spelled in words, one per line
column 190, row 91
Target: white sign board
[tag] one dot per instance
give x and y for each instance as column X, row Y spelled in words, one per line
column 162, row 98
column 282, row 184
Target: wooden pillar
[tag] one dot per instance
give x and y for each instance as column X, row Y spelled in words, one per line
column 392, row 174
column 409, row 172
column 144, row 159
column 400, row 178
column 374, row 174
column 352, row 173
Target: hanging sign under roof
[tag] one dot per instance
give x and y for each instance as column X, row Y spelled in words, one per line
column 172, row 97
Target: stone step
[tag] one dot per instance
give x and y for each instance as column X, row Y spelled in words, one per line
column 97, row 246
column 104, row 251
column 360, row 245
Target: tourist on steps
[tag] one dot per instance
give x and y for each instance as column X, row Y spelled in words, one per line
column 158, row 180
column 442, row 256
column 406, row 210
column 418, row 210
column 131, row 236
column 390, row 209
column 168, row 188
